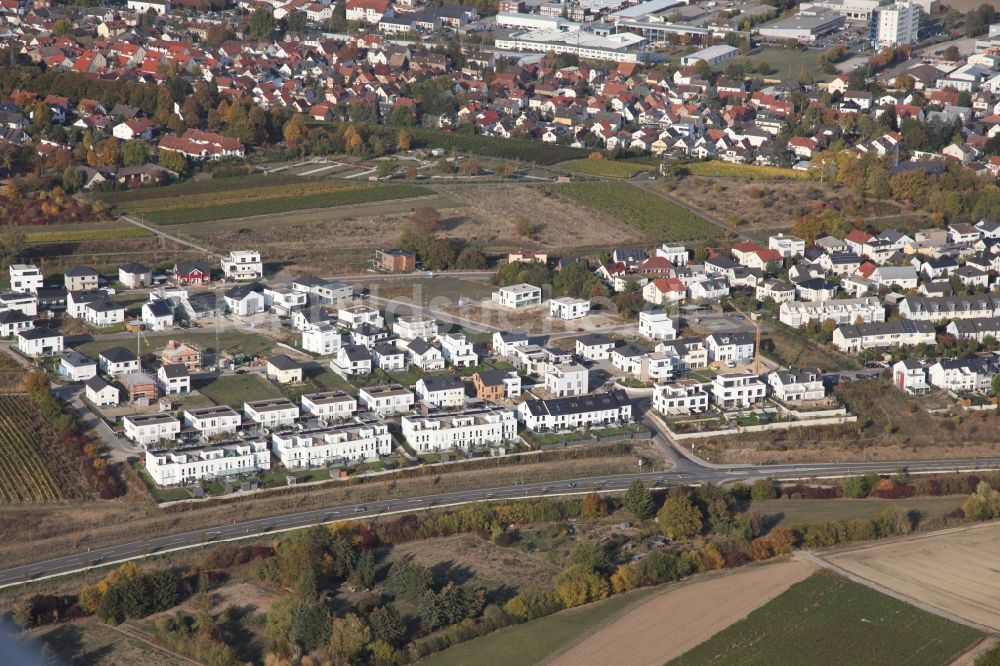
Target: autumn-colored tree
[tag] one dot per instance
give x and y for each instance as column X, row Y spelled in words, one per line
column 782, row 540
column 679, row 518
column 292, row 131
column 404, row 140
column 761, row 549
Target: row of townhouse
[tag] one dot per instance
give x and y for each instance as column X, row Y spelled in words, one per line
column 737, row 391
column 565, row 414
column 854, row 339
column 465, row 430
column 958, row 375
column 842, row 311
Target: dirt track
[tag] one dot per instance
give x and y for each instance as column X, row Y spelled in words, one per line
column 951, row 570
column 671, row 623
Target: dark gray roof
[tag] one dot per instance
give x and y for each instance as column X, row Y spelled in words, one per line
column 13, row 317
column 135, row 267
column 175, row 370
column 442, row 383
column 594, row 339
column 95, row 383
column 118, row 355
column 39, row 333
column 80, row 271
column 283, row 362
column 159, row 308
column 578, row 404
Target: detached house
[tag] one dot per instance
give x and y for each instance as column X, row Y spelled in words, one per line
column 192, row 273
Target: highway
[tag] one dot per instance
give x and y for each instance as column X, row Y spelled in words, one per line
column 687, row 471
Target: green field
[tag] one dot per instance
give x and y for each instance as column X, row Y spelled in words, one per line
column 269, row 200
column 640, row 209
column 252, row 344
column 606, row 168
column 826, row 619
column 796, row 511
column 75, row 236
column 532, row 642
column 234, row 390
column 718, row 169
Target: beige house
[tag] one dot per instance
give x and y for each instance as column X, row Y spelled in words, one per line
column 283, row 369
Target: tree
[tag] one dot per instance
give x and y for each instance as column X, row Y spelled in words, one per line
column 292, row 131
column 63, row 28
column 426, row 220
column 995, row 386
column 679, row 518
column 279, row 623
column 471, row 258
column 593, row 505
column 387, row 625
column 261, row 25
column 72, row 179
column 363, row 573
column 350, row 636
column 174, row 161
column 854, row 487
column 638, row 500
column 12, row 243
column 135, row 153
column 408, row 580
column 762, row 489
column 310, row 626
column 404, row 140
column 525, row 227
column 532, row 604
column 951, row 53
column 295, row 22
column 578, row 584
column 782, row 540
column 592, row 556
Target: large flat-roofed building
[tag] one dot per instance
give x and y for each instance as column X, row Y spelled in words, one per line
column 387, row 399
column 317, row 447
column 619, row 47
column 713, row 55
column 174, row 467
column 852, row 10
column 212, row 421
column 460, row 430
column 804, row 26
column 330, row 404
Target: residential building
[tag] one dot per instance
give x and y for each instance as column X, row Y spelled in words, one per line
column 396, row 260
column 388, row 357
column 691, row 353
column 39, row 341
column 25, row 278
column 103, row 313
column 975, row 329
column 100, row 393
column 409, row 327
column 910, row 375
column 853, row 338
column 976, row 306
column 569, row 308
column 594, row 347
column 213, row 421
column 243, row 265
column 335, row 405
column 13, row 322
column 778, row 291
column 567, row 380
column 656, row 325
column 628, row 359
column 423, row 355
column 271, row 413
column 194, row 273
column 356, row 316
column 386, row 400
column 76, row 367
column 323, row 292
column 737, row 390
column 962, row 375
column 352, row 360
column 682, row 397
column 332, row 444
column 675, row 254
column 842, row 311
column 174, row 379
column 25, row 303
column 518, row 296
column 80, row 278
column 171, row 467
column 441, row 391
column 146, row 429
column 786, row 245
column 665, row 291
column 587, row 411
column 283, row 369
column 116, row 361
column 157, row 315
column 794, row 386
column 495, row 385
column 458, row 351
column 135, row 275
column 140, row 387
column 504, row 342
column 895, row 25
column 245, row 300
column 321, row 339
column 465, row 430
column 284, row 301
column 180, row 352
column 730, row 347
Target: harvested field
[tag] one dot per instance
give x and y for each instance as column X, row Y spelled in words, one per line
column 949, row 570
column 697, row 610
column 826, row 619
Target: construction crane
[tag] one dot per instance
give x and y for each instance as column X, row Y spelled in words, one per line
column 756, row 341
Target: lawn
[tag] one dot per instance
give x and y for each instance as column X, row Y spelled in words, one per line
column 252, row 344
column 234, row 390
column 606, row 168
column 802, row 511
column 158, row 493
column 716, row 168
column 533, row 642
column 787, row 62
column 794, row 350
column 826, row 619
column 640, row 209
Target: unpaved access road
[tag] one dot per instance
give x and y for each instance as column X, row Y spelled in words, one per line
column 682, row 617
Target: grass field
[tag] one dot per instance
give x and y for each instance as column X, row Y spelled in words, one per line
column 829, row 620
column 641, row 210
column 245, row 342
column 532, row 642
column 234, row 390
column 266, row 199
column 75, row 236
column 717, row 168
column 792, row 349
column 793, row 511
column 606, row 168
column 785, row 61
column 95, row 644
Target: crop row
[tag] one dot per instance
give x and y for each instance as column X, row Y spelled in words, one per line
column 24, row 475
column 72, row 236
column 606, row 168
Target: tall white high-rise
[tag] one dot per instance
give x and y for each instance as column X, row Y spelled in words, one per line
column 896, row 24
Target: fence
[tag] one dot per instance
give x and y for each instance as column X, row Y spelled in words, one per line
column 784, row 425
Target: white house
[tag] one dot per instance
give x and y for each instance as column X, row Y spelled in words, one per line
column 356, row 316
column 101, row 393
column 962, row 375
column 518, row 296
column 319, row 447
column 975, row 329
column 853, row 339
column 174, row 379
column 675, row 254
column 778, row 291
column 13, row 322
column 567, row 380
column 424, row 355
column 352, row 360
column 665, row 291
column 103, row 313
column 386, row 400
column 135, row 275
column 569, row 308
column 323, row 292
column 656, row 325
column 25, row 278
column 388, row 357
column 117, row 361
column 458, row 351
column 243, row 265
column 76, row 367
column 682, row 397
column 730, row 347
column 842, row 311
column 39, row 341
column 737, row 390
column 587, row 411
column 158, row 315
column 690, row 353
column 796, row 385
column 465, row 430
column 245, row 300
column 504, row 342
column 273, row 412
column 23, row 302
column 409, row 327
column 146, row 429
column 213, row 421
column 441, row 391
column 170, row 467
column 321, row 339
column 335, row 405
column 786, row 245
column 594, row 347
column 910, row 375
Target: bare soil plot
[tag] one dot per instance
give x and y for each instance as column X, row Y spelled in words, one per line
column 682, row 617
column 535, row 319
column 950, row 570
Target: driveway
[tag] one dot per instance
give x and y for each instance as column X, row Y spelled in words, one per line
column 119, row 450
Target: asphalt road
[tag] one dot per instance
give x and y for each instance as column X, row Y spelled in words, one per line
column 686, row 472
